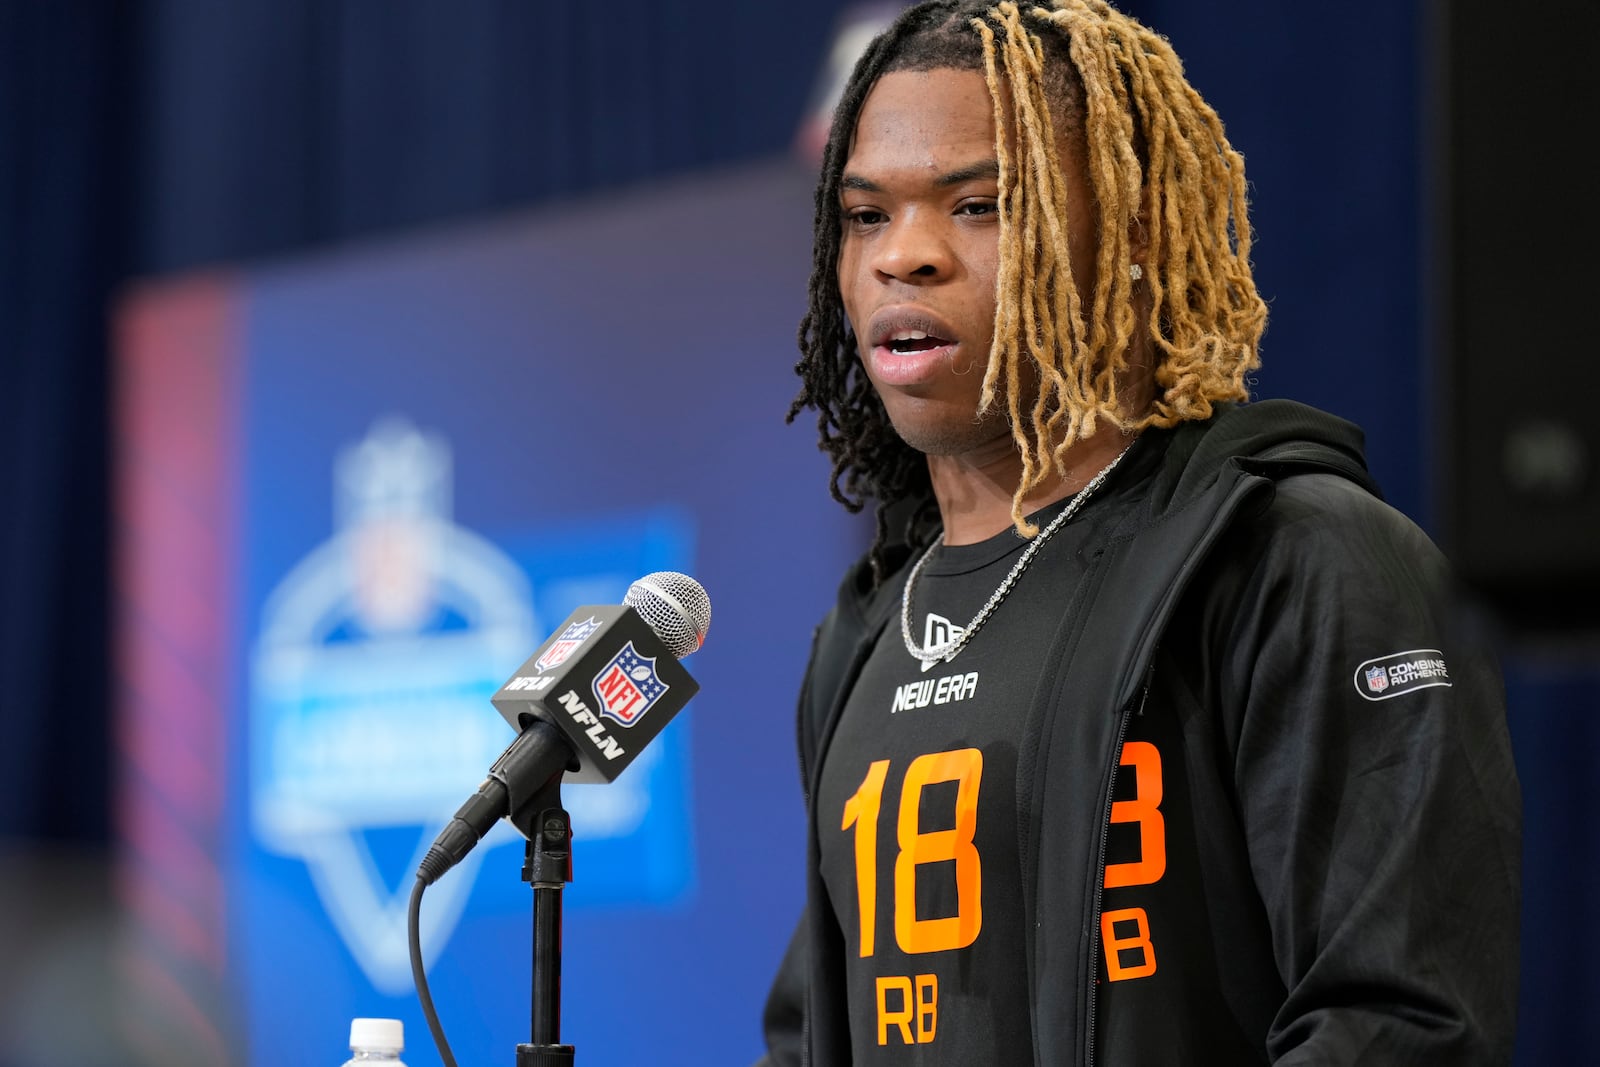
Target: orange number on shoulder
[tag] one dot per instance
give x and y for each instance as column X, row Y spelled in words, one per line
column 1144, row 810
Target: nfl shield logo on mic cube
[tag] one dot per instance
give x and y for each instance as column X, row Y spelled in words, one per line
column 628, row 685
column 567, row 641
column 606, row 681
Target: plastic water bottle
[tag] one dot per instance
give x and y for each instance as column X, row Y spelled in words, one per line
column 376, row 1041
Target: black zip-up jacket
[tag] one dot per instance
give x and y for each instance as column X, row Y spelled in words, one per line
column 1359, row 856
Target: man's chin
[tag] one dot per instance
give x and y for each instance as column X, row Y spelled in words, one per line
column 955, row 436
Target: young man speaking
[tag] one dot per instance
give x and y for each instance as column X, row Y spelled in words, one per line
column 1141, row 736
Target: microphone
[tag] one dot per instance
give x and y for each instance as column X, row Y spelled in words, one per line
column 587, row 702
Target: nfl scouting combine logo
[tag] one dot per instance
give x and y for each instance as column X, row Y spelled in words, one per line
column 1399, row 673
column 570, row 640
column 628, row 685
column 370, row 677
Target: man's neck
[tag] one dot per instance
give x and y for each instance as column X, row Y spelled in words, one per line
column 974, row 492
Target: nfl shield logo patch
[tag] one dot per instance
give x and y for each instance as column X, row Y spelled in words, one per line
column 1377, row 679
column 628, row 685
column 566, row 644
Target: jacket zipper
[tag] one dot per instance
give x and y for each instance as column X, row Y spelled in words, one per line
column 1105, row 832
column 805, row 1030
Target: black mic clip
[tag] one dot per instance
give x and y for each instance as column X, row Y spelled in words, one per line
column 531, row 773
column 515, row 790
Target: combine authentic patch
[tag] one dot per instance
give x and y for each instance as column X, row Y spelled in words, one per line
column 1401, row 672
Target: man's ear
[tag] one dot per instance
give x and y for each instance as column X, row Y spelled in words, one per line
column 1138, row 242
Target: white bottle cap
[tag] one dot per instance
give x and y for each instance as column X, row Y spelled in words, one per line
column 378, row 1035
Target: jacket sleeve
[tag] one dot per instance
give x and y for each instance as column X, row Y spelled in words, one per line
column 1381, row 810
column 783, row 1019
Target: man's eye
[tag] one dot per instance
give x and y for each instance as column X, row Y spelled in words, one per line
column 977, row 207
column 862, row 217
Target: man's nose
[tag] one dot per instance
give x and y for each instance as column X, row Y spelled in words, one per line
column 912, row 250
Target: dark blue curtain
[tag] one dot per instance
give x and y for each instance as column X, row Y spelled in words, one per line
column 269, row 125
column 65, row 208
column 154, row 136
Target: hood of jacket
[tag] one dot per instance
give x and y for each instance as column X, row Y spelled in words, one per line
column 1256, row 438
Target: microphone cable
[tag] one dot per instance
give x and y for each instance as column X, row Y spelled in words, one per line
column 420, row 975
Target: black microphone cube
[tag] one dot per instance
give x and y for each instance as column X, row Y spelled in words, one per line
column 606, row 681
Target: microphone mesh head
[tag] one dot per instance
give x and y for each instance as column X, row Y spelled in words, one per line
column 675, row 606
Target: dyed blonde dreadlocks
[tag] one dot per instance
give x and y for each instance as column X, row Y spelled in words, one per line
column 1157, row 160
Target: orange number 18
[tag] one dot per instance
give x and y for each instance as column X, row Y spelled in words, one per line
column 964, row 767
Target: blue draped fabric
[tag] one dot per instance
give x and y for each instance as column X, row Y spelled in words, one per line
column 64, row 211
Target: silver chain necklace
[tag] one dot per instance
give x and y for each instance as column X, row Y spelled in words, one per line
column 947, row 651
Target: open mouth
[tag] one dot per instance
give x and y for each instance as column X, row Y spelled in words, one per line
column 911, row 347
column 911, row 341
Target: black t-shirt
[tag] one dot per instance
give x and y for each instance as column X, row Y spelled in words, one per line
column 929, row 899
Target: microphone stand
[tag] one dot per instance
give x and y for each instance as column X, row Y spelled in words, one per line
column 547, row 867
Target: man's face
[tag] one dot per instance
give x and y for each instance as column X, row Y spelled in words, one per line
column 920, row 252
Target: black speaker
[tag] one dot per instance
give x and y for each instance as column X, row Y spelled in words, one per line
column 1516, row 266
